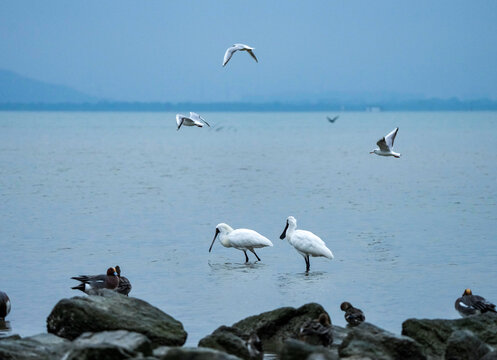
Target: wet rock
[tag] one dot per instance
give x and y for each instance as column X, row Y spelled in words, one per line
column 299, row 350
column 367, row 341
column 278, row 325
column 464, row 345
column 490, row 356
column 38, row 347
column 130, row 341
column 230, row 340
column 434, row 334
column 96, row 352
column 187, row 353
column 111, row 311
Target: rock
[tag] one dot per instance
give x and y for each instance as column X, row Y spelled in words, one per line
column 230, row 340
column 96, row 352
column 464, row 345
column 186, row 353
column 278, row 325
column 299, row 350
column 111, row 311
column 38, row 347
column 131, row 342
column 434, row 334
column 367, row 341
column 490, row 356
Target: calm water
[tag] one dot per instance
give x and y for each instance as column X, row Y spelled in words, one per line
column 80, row 192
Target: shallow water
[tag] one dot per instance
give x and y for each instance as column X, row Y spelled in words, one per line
column 80, row 192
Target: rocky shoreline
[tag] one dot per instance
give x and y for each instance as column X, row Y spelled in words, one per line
column 112, row 326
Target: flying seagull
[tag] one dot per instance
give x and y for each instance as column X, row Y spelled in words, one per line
column 229, row 53
column 193, row 120
column 332, row 120
column 385, row 145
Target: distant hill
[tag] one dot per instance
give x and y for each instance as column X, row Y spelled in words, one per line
column 18, row 89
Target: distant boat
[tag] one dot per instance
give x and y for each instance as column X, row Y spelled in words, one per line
column 332, row 120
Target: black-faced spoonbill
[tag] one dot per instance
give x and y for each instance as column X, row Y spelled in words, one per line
column 241, row 239
column 4, row 305
column 469, row 304
column 95, row 282
column 242, row 47
column 385, row 145
column 306, row 243
column 353, row 316
column 194, row 120
column 318, row 331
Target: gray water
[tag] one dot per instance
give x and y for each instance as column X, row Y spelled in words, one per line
column 80, row 192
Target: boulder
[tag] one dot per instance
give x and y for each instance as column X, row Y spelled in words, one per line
column 188, row 353
column 110, row 344
column 38, row 347
column 367, row 341
column 299, row 350
column 278, row 325
column 109, row 311
column 230, row 340
column 464, row 345
column 490, row 356
column 434, row 334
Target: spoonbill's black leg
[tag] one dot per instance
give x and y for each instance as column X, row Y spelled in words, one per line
column 246, row 257
column 307, row 263
column 253, row 252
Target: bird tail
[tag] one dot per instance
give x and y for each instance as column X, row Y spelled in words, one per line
column 80, row 287
column 328, row 254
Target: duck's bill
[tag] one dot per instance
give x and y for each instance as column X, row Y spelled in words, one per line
column 283, row 234
column 215, row 236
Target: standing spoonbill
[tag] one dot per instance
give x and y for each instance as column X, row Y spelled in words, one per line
column 385, row 145
column 306, row 243
column 241, row 239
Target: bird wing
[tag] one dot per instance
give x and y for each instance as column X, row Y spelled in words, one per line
column 179, row 120
column 197, row 117
column 253, row 55
column 229, row 53
column 332, row 120
column 307, row 242
column 390, row 138
column 244, row 238
column 481, row 304
column 382, row 144
column 88, row 278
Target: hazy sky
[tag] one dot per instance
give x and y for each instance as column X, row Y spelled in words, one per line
column 173, row 50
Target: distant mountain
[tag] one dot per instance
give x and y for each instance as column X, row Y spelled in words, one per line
column 15, row 88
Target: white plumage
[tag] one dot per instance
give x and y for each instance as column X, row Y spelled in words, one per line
column 193, row 120
column 241, row 239
column 242, row 47
column 305, row 242
column 385, row 145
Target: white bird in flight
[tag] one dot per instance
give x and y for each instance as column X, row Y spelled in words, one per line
column 242, row 47
column 241, row 239
column 385, row 145
column 306, row 243
column 194, row 120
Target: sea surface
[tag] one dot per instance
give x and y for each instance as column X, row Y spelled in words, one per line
column 82, row 191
